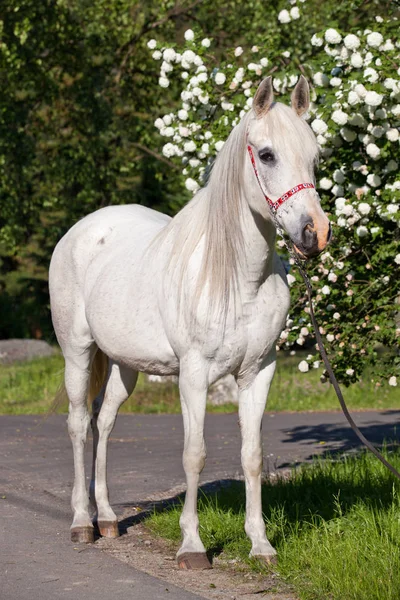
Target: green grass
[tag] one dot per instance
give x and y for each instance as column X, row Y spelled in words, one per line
column 335, row 525
column 30, row 387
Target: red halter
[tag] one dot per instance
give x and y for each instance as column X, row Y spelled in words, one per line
column 275, row 205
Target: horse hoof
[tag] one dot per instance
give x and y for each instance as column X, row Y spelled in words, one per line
column 108, row 529
column 266, row 558
column 194, row 560
column 82, row 535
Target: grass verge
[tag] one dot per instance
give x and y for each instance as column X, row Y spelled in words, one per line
column 335, row 525
column 29, row 388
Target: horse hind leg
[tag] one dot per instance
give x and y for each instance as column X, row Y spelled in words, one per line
column 76, row 384
column 120, row 384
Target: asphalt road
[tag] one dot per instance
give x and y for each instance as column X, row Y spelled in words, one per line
column 37, row 559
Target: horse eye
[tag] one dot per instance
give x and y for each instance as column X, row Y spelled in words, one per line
column 267, row 156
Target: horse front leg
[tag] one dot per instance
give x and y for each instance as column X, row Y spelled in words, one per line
column 252, row 402
column 193, row 393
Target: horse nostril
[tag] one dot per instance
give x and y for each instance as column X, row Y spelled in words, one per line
column 329, row 236
column 309, row 237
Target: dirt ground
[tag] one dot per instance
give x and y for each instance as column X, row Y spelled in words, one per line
column 228, row 580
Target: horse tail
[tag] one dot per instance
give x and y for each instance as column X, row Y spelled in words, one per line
column 98, row 374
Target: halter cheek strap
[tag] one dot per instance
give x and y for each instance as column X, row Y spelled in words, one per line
column 275, row 205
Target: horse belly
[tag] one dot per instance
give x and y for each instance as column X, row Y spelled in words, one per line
column 125, row 322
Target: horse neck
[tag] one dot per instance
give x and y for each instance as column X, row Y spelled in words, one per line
column 259, row 235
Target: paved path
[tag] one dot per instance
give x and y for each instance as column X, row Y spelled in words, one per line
column 36, row 558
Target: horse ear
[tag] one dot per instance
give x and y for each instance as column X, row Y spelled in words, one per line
column 264, row 97
column 301, row 96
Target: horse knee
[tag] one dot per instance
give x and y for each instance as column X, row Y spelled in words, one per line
column 194, row 461
column 252, row 461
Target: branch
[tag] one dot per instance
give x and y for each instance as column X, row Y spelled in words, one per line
column 130, row 46
column 155, row 155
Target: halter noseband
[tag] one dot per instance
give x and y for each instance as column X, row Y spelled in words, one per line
column 275, row 205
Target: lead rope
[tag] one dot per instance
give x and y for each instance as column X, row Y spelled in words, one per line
column 325, row 358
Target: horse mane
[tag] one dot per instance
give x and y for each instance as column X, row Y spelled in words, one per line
column 212, row 222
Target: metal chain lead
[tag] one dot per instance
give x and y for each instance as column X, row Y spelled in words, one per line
column 321, row 347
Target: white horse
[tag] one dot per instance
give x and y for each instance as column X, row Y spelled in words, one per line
column 200, row 295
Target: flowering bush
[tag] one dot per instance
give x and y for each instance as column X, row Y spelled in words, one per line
column 355, row 115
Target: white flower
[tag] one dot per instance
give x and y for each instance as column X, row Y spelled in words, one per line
column 340, row 117
column 219, row 145
column 393, row 381
column 264, row 62
column 377, row 131
column 332, row 36
column 253, row 67
column 374, row 180
column 397, row 259
column 284, row 16
column 332, row 277
column 188, row 57
column 373, row 99
column 362, row 231
column 337, row 190
column 167, row 131
column 392, row 208
column 295, row 13
column 374, row 39
column 169, row 55
column 360, row 90
column 396, row 110
column 326, row 290
column 373, row 151
column 169, row 150
column 348, row 134
column 336, row 316
column 335, row 81
column 189, row 35
column 353, row 98
column 319, row 126
column 321, row 79
column 290, row 279
column 316, row 364
column 330, row 337
column 157, row 55
column 151, row 44
column 392, row 135
column 238, row 51
column 206, row 43
column 350, row 372
column 364, row 208
column 357, row 60
column 325, row 183
column 303, row 366
column 163, row 82
column 167, row 119
column 189, row 146
column 351, row 41
column 220, row 78
column 392, row 166
column 316, row 40
column 340, row 203
column 183, row 114
column 371, row 75
column 159, row 123
column 191, row 185
column 338, row 176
